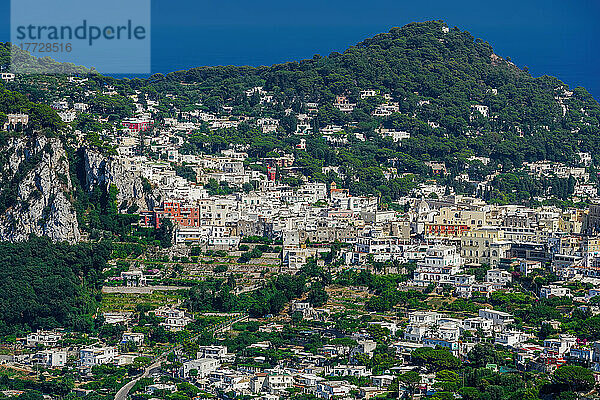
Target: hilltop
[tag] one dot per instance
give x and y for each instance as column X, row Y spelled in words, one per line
column 447, row 90
column 451, row 92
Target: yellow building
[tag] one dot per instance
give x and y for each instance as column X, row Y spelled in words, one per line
column 485, row 245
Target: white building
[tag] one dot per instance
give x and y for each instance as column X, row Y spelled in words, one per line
column 350, row 370
column 481, row 109
column 333, row 389
column 81, row 107
column 7, row 76
column 133, row 278
column 390, row 326
column 176, row 320
column 424, row 317
column 51, row 358
column 343, row 104
column 499, row 276
column 13, row 120
column 135, row 337
column 526, row 267
column 554, row 291
column 271, row 383
column 89, row 357
column 303, row 307
column 498, row 318
column 366, row 347
column 204, row 366
column 367, row 93
column 509, row 338
column 217, row 352
column 441, row 256
column 478, row 323
column 278, row 383
column 163, row 387
column 397, row 136
column 67, row 116
column 440, row 265
column 44, row 338
column 433, row 329
column 559, row 346
column 416, row 332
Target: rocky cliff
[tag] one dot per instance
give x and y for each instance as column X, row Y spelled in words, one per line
column 111, row 170
column 37, row 194
column 36, row 190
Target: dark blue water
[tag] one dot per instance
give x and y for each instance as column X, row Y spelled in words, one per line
column 558, row 38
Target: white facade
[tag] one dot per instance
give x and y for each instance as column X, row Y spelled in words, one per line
column 499, row 276
column 45, row 338
column 204, row 366
column 7, row 76
column 175, row 320
column 509, row 338
column 478, row 323
column 498, row 318
column 332, row 389
column 350, row 370
column 135, row 337
column 559, row 346
column 218, row 352
column 440, row 265
column 51, row 358
column 554, row 291
column 12, row 120
column 96, row 356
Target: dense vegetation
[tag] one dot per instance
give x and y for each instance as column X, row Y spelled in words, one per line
column 41, row 116
column 271, row 298
column 216, row 295
column 436, row 78
column 25, row 63
column 47, row 285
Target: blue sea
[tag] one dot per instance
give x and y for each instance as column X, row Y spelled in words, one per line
column 549, row 37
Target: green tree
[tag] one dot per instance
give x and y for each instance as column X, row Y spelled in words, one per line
column 31, row 395
column 435, row 359
column 410, row 380
column 297, row 318
column 448, row 381
column 483, row 354
column 442, row 396
column 574, row 378
column 165, row 233
column 317, row 296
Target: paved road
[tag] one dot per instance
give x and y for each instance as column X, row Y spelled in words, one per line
column 123, row 393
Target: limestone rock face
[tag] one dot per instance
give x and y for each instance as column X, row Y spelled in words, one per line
column 103, row 171
column 35, row 173
column 36, row 192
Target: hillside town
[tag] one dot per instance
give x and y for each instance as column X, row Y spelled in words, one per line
column 303, row 231
column 464, row 259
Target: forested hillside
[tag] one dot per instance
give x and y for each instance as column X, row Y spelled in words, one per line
column 46, row 285
column 41, row 116
column 435, row 76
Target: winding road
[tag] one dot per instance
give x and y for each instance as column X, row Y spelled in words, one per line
column 123, row 393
